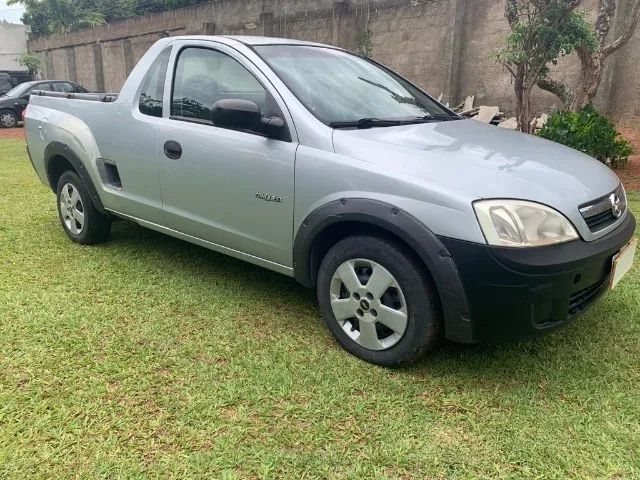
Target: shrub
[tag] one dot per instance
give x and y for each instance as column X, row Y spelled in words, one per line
column 590, row 132
column 30, row 61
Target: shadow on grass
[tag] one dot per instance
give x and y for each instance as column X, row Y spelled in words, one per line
column 194, row 261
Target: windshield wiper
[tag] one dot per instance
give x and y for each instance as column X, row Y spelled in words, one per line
column 437, row 118
column 367, row 123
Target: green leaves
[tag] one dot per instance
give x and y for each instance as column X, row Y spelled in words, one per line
column 540, row 37
column 62, row 16
column 30, row 61
column 591, row 133
column 542, row 31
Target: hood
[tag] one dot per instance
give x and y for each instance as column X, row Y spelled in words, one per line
column 483, row 161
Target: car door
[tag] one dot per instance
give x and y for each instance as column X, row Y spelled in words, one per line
column 234, row 189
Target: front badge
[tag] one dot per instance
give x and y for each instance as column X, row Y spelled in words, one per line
column 616, row 205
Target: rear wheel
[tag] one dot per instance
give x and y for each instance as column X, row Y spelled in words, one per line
column 80, row 219
column 378, row 301
column 8, row 119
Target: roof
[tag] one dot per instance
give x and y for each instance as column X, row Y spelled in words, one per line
column 253, row 40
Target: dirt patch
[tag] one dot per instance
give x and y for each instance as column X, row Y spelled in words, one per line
column 630, row 174
column 17, row 133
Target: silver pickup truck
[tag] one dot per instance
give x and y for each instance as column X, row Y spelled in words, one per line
column 412, row 223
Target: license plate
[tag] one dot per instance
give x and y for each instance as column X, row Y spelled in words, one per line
column 623, row 262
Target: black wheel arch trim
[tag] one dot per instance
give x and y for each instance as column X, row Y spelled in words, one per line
column 59, row 149
column 438, row 261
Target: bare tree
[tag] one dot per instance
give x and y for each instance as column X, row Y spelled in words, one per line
column 593, row 62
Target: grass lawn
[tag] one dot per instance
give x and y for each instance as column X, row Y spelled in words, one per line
column 150, row 357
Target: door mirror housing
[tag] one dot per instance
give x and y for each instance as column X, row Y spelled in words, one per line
column 236, row 114
column 239, row 114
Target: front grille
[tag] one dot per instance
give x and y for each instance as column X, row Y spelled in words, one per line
column 601, row 221
column 605, row 211
column 585, row 297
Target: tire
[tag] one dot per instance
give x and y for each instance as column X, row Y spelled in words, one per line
column 392, row 328
column 8, row 119
column 79, row 217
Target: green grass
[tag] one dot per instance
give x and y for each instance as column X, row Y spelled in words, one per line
column 150, row 357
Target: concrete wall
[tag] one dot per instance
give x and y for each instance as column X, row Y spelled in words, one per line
column 442, row 45
column 13, row 43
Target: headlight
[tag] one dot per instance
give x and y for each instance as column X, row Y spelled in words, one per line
column 518, row 223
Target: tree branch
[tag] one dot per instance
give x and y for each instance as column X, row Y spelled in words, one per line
column 606, row 12
column 508, row 67
column 511, row 12
column 624, row 38
column 559, row 89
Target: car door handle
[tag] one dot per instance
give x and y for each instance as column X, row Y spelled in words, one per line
column 173, row 150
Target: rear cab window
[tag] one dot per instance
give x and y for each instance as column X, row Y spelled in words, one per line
column 150, row 101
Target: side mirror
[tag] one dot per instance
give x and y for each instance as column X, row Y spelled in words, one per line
column 236, row 114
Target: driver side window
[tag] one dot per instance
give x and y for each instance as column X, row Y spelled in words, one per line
column 204, row 76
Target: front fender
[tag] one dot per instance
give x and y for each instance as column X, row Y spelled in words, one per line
column 432, row 252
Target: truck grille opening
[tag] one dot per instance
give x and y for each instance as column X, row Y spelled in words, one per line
column 585, row 297
column 605, row 211
column 600, row 221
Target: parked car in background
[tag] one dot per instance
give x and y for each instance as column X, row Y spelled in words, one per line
column 13, row 102
column 411, row 222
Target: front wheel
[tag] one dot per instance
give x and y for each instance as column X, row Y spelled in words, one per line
column 8, row 119
column 378, row 300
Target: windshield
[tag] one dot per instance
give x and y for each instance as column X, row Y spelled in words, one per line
column 19, row 91
column 341, row 89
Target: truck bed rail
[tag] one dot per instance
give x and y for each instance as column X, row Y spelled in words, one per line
column 90, row 97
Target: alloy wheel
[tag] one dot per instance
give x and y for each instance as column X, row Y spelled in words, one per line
column 8, row 120
column 369, row 304
column 72, row 209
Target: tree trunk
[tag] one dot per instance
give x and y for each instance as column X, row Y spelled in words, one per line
column 523, row 102
column 593, row 63
column 590, row 78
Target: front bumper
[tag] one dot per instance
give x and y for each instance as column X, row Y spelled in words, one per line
column 518, row 293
